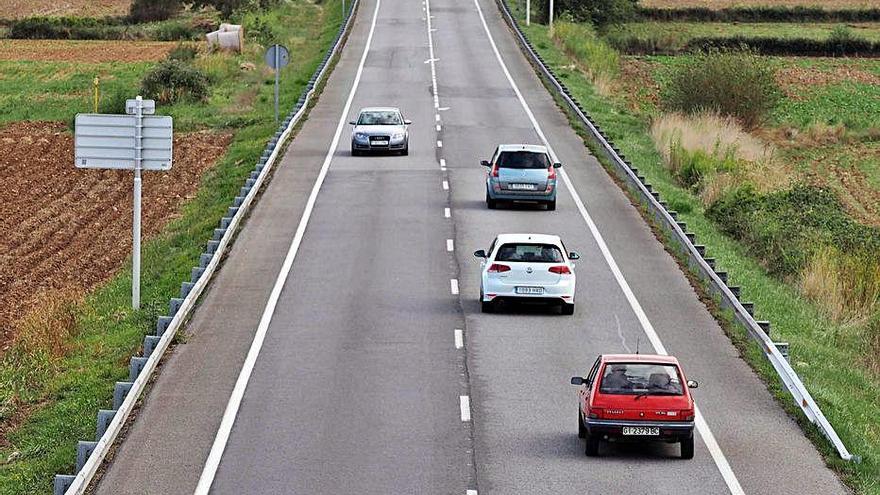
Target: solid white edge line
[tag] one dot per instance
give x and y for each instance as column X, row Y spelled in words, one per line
column 450, row 245
column 464, row 402
column 232, row 407
column 453, row 285
column 705, row 432
column 459, row 338
column 447, row 213
column 442, row 163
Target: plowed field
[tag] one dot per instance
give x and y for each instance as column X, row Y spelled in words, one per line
column 17, row 9
column 90, row 51
column 62, row 227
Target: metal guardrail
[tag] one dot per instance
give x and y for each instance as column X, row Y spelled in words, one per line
column 704, row 267
column 90, row 455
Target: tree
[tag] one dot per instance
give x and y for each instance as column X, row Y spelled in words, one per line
column 153, row 10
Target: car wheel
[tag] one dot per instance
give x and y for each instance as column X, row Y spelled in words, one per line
column 487, row 306
column 592, row 449
column 687, row 447
column 582, row 430
column 566, row 309
column 405, row 151
column 355, row 152
column 491, row 203
column 551, row 205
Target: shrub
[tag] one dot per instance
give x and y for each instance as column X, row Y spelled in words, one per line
column 777, row 13
column 153, row 10
column 260, row 30
column 73, row 28
column 786, row 46
column 174, row 31
column 738, row 84
column 845, row 285
column 600, row 12
column 173, row 81
column 783, row 228
column 183, row 52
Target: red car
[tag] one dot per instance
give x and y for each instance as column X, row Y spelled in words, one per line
column 637, row 397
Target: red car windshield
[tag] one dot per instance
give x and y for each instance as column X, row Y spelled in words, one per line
column 640, row 379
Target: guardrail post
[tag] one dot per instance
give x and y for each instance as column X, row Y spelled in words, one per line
column 135, row 366
column 150, row 343
column 105, row 416
column 62, row 483
column 120, row 390
column 83, row 450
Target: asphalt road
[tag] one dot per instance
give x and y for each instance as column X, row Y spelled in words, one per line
column 360, row 385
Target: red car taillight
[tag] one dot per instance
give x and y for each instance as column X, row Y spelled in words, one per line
column 688, row 414
column 498, row 268
column 551, row 173
column 560, row 269
column 594, row 413
column 494, row 171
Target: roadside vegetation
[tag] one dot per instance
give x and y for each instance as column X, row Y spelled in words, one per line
column 774, row 163
column 61, row 357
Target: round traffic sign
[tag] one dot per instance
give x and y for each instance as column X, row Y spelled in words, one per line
column 277, row 56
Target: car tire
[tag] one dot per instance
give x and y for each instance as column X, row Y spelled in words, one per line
column 566, row 309
column 487, row 306
column 687, row 447
column 355, row 152
column 405, row 151
column 491, row 203
column 551, row 205
column 592, row 448
column 582, row 430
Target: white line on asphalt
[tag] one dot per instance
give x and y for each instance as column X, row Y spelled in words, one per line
column 445, row 185
column 443, row 109
column 439, row 143
column 438, row 127
column 432, row 59
column 442, row 163
column 447, row 213
column 471, row 492
column 450, row 245
column 465, row 405
column 703, row 427
column 453, row 286
column 219, row 446
column 459, row 338
column 436, row 117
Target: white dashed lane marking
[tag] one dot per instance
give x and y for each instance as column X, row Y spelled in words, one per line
column 465, row 404
column 459, row 338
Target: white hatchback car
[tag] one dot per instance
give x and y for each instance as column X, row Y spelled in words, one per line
column 527, row 267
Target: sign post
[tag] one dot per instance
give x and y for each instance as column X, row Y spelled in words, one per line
column 137, row 141
column 551, row 17
column 528, row 12
column 277, row 57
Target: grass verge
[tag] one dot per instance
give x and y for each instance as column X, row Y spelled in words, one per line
column 827, row 356
column 49, row 401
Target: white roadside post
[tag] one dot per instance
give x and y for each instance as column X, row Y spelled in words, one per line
column 528, row 12
column 136, row 141
column 551, row 17
column 136, row 215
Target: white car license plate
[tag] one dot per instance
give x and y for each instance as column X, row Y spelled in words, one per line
column 524, row 187
column 645, row 431
column 529, row 290
column 380, row 143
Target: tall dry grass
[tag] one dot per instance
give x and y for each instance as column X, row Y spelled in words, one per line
column 725, row 153
column 846, row 286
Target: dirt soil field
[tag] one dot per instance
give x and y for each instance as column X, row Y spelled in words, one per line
column 18, row 9
column 84, row 51
column 63, row 227
column 724, row 4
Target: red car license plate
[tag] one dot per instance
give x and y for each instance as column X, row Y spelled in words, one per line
column 642, row 431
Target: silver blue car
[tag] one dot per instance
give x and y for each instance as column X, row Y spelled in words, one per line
column 380, row 129
column 521, row 172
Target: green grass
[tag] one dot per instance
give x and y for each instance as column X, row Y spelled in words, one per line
column 65, row 395
column 826, row 356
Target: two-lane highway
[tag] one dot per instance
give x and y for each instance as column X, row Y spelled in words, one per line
column 341, row 348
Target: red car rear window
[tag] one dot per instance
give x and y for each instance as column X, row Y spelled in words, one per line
column 640, row 379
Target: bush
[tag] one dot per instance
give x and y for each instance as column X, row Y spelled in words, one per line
column 261, row 31
column 173, row 81
column 153, row 10
column 183, row 52
column 760, row 14
column 783, row 229
column 738, row 84
column 600, row 12
column 597, row 59
column 788, row 46
column 174, row 31
column 72, row 28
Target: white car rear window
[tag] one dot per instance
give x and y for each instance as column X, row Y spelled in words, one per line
column 529, row 252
